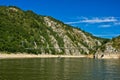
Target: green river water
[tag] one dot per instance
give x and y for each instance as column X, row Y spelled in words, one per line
column 59, row 69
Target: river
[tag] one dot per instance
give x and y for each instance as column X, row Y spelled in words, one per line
column 59, row 69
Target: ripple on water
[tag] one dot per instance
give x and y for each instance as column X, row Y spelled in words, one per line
column 59, row 69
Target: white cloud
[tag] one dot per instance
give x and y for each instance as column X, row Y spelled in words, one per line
column 95, row 20
column 99, row 20
column 76, row 22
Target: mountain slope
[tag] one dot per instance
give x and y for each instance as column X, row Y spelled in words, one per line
column 25, row 31
column 111, row 48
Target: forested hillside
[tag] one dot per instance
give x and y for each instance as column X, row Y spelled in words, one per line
column 24, row 31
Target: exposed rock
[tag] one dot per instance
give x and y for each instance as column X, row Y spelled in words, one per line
column 110, row 49
column 12, row 9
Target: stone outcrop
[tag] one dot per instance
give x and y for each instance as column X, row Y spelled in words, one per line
column 110, row 49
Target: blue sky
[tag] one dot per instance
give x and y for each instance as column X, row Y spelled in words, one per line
column 99, row 17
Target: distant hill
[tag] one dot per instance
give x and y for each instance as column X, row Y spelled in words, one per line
column 26, row 32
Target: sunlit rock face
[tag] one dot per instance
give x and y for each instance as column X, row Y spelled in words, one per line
column 110, row 49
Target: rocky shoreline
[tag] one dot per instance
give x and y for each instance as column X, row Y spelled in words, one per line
column 19, row 55
column 107, row 56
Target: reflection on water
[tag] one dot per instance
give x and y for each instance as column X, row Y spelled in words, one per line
column 59, row 69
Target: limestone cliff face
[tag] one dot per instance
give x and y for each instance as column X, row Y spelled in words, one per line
column 74, row 40
column 111, row 49
column 25, row 31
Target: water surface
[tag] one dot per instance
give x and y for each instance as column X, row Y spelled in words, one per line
column 59, row 69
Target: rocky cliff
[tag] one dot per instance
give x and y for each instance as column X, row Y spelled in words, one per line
column 25, row 31
column 110, row 49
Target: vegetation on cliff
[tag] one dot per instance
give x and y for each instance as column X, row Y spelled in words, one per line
column 25, row 31
column 110, row 49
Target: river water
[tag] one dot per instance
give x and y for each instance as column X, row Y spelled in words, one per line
column 59, row 69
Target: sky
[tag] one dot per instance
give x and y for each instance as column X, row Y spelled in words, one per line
column 98, row 17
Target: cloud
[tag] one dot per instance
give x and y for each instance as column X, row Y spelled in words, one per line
column 76, row 22
column 99, row 20
column 104, row 26
column 95, row 20
column 117, row 23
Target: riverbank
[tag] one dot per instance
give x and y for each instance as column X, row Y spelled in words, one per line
column 25, row 55
column 105, row 56
column 3, row 56
column 110, row 56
